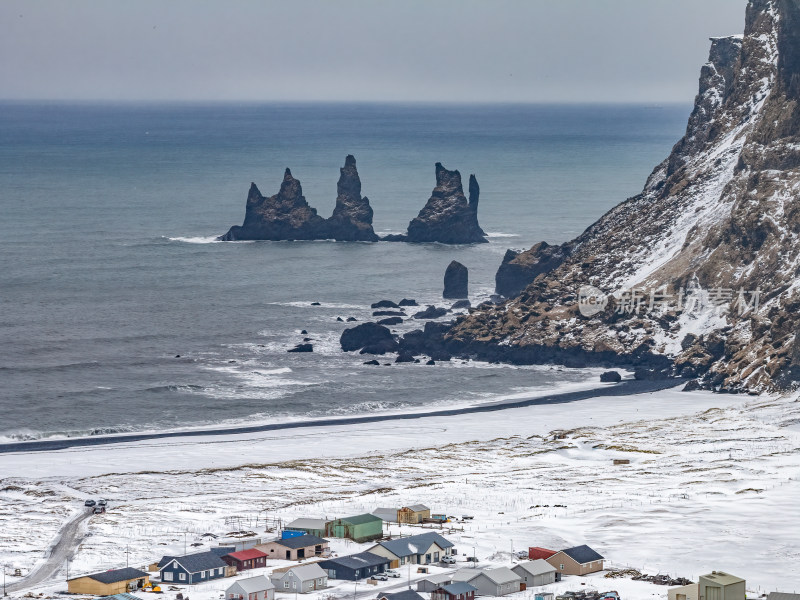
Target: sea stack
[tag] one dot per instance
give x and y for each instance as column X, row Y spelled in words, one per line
column 284, row 216
column 456, row 281
column 448, row 217
column 352, row 217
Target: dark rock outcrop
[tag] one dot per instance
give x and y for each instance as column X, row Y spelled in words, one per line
column 352, row 217
column 404, row 357
column 302, row 348
column 448, row 217
column 384, row 304
column 366, row 334
column 610, row 377
column 389, row 321
column 388, row 313
column 408, row 302
column 432, row 312
column 460, row 304
column 456, row 281
column 519, row 269
column 284, row 216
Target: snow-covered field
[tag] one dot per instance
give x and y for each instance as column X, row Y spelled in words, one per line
column 712, row 484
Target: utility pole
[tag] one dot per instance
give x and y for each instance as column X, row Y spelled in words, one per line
column 355, row 587
column 5, row 568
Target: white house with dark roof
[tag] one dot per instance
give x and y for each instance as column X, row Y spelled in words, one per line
column 251, row 588
column 422, row 549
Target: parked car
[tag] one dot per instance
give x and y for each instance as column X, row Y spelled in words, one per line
column 99, row 510
column 466, row 517
column 449, row 560
column 101, row 502
column 472, row 559
column 522, row 554
column 89, row 503
column 380, row 577
column 391, row 573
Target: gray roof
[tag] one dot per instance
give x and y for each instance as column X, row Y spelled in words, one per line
column 535, row 567
column 357, row 561
column 116, row 575
column 459, row 587
column 301, row 541
column 194, row 563
column 219, row 551
column 438, row 579
column 783, row 596
column 122, row 596
column 307, row 524
column 723, row 578
column 501, row 575
column 402, row 546
column 465, row 574
column 251, row 585
column 418, row 507
column 582, row 554
column 404, row 595
column 304, row 572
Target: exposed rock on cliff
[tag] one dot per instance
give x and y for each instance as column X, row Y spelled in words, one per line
column 456, row 281
column 700, row 270
column 352, row 217
column 284, row 216
column 448, row 217
column 519, row 269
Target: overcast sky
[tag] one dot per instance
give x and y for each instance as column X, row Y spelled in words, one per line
column 404, row 50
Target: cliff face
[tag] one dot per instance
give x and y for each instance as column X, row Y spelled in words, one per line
column 352, row 216
column 284, row 216
column 448, row 217
column 700, row 268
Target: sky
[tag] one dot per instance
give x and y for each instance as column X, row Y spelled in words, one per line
column 360, row 50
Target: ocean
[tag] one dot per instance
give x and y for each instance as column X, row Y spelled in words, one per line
column 119, row 311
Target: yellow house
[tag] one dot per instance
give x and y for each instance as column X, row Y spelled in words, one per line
column 416, row 513
column 108, row 583
column 721, row 586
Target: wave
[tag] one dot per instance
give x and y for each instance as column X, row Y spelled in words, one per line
column 500, row 234
column 201, row 239
column 310, row 304
column 28, row 435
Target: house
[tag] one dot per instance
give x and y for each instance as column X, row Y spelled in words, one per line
column 302, row 578
column 490, row 582
column 416, row 513
column 355, row 567
column 251, row 588
column 386, row 514
column 404, row 595
column 360, row 528
column 580, row 560
column 459, row 590
column 239, row 544
column 108, row 583
column 422, row 549
column 310, row 526
column 123, row 596
column 295, row 548
column 535, row 572
column 192, row 568
column 718, row 585
column 432, row 582
column 684, row 592
column 782, row 596
column 246, row 559
column 535, row 552
column 544, row 596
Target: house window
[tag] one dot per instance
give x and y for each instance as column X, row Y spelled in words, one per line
column 220, row 570
column 167, row 576
column 286, row 585
column 182, row 576
column 561, row 566
column 202, row 574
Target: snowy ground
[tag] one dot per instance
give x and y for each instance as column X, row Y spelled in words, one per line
column 712, row 485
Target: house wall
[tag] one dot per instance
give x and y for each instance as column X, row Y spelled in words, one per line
column 363, row 532
column 567, row 566
column 734, row 591
column 535, row 580
column 87, row 585
column 274, row 550
column 685, row 592
column 307, row 585
column 236, row 590
column 190, row 578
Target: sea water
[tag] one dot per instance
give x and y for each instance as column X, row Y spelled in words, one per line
column 120, row 312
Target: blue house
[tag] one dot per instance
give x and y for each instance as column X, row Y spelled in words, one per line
column 355, row 567
column 192, row 568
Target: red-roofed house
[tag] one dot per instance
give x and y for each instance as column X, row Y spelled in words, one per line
column 246, row 559
column 535, row 553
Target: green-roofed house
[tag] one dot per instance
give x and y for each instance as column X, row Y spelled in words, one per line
column 360, row 528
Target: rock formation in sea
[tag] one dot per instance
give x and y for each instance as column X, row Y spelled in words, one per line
column 696, row 275
column 352, row 217
column 284, row 216
column 456, row 281
column 448, row 217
